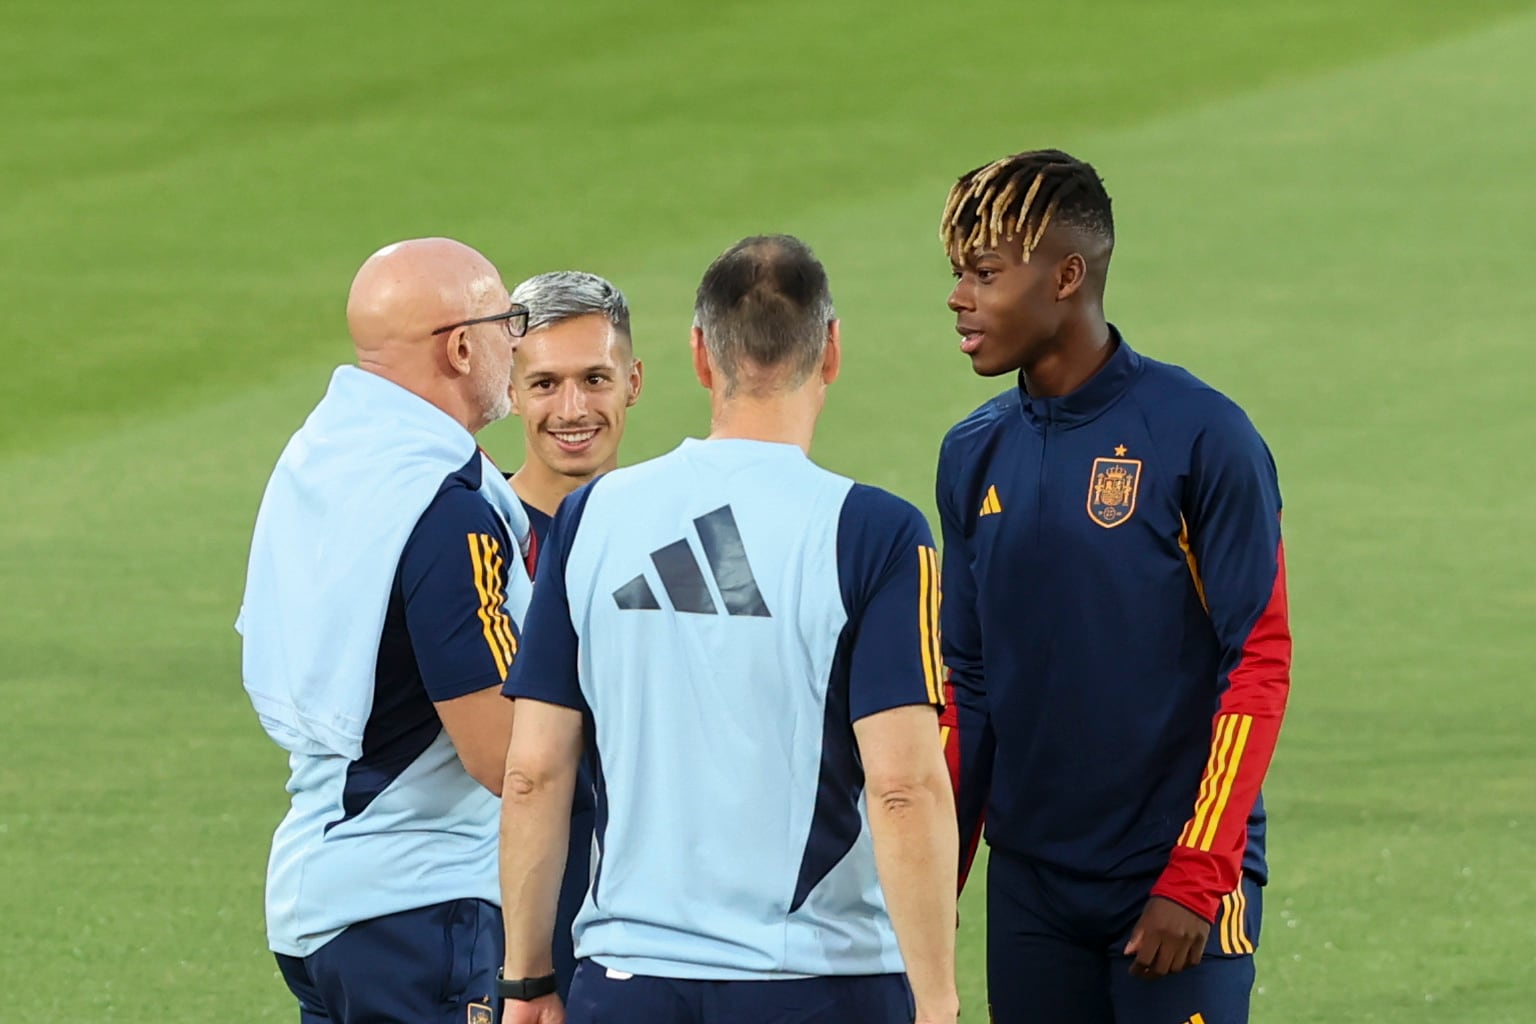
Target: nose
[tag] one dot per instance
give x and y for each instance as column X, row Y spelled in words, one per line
column 960, row 297
column 573, row 402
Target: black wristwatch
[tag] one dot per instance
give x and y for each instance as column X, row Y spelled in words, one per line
column 523, row 989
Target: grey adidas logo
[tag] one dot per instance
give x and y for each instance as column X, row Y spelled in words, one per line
column 683, row 578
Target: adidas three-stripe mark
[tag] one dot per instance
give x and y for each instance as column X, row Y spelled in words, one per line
column 683, row 578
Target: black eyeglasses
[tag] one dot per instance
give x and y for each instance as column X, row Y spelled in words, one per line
column 516, row 320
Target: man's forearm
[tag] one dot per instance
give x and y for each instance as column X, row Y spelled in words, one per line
column 916, row 849
column 479, row 725
column 535, row 831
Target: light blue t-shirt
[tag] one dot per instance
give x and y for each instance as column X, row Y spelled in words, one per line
column 404, row 825
column 725, row 613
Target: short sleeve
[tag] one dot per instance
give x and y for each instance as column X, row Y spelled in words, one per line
column 888, row 570
column 453, row 579
column 548, row 669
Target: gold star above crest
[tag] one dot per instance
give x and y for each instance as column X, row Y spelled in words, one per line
column 1119, row 451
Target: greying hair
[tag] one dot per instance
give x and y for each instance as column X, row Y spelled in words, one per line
column 562, row 295
column 765, row 302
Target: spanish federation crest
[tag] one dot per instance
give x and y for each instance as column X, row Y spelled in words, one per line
column 1112, row 490
column 481, row 1013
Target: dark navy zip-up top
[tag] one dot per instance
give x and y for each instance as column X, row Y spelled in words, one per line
column 1114, row 626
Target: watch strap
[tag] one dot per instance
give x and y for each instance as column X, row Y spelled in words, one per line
column 524, row 989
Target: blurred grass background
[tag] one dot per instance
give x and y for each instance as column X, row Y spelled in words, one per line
column 1323, row 209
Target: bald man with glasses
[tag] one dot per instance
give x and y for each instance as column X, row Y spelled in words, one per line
column 383, row 609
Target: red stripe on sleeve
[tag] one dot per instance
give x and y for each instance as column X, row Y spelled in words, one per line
column 949, row 729
column 531, row 559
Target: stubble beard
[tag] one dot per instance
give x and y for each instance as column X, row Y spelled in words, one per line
column 496, row 402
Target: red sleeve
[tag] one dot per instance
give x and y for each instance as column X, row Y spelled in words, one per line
column 1235, row 550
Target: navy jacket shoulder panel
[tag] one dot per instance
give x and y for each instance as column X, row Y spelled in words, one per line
column 1181, row 397
column 982, row 419
column 966, row 438
column 1181, row 411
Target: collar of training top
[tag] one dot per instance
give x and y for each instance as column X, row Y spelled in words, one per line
column 1097, row 394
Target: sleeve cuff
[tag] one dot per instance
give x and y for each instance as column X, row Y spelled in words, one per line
column 440, row 691
column 1197, row 881
column 1195, row 904
column 513, row 691
column 864, row 711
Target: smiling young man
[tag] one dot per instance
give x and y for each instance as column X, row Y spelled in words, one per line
column 1115, row 628
column 574, row 378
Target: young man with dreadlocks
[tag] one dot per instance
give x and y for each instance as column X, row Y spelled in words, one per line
column 1114, row 626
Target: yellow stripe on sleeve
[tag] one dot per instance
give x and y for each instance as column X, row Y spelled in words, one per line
column 936, row 651
column 1207, row 781
column 498, row 588
column 487, row 626
column 1194, row 564
column 1210, row 786
column 1228, row 776
column 927, row 607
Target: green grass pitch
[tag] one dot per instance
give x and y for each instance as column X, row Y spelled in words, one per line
column 1325, row 209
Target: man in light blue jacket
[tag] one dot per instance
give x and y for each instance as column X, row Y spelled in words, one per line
column 382, row 612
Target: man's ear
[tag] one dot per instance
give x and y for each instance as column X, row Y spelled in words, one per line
column 832, row 358
column 701, row 365
column 636, row 382
column 1071, row 272
column 456, row 350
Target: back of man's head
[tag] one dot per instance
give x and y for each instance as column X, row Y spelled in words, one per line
column 764, row 309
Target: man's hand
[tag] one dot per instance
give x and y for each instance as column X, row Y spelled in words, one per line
column 1166, row 940
column 543, row 1010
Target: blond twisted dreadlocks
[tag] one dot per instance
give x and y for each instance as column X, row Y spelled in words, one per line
column 1018, row 197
